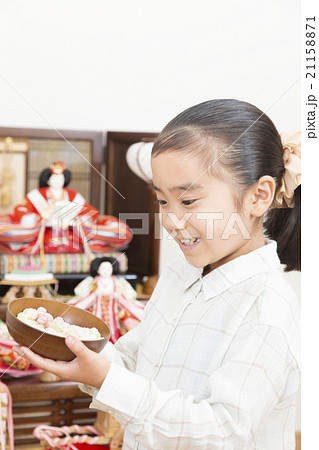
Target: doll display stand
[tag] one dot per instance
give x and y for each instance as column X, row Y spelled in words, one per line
column 29, row 283
column 60, row 263
column 27, row 289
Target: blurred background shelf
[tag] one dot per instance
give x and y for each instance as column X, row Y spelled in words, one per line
column 56, row 404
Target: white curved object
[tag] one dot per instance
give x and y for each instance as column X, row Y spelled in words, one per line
column 138, row 158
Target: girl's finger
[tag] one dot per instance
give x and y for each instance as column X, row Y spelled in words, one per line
column 76, row 346
column 36, row 360
column 17, row 349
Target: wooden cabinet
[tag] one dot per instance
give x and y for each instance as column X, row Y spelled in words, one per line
column 136, row 197
column 56, row 404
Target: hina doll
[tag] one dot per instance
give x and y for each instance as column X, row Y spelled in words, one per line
column 58, row 207
column 110, row 298
column 59, row 220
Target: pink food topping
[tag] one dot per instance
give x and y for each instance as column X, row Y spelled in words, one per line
column 45, row 319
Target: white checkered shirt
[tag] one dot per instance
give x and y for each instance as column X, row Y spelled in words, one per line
column 214, row 363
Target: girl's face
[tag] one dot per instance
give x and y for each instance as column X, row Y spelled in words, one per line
column 199, row 211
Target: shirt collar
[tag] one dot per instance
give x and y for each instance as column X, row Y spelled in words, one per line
column 189, row 273
column 262, row 260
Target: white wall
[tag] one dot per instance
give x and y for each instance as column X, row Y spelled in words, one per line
column 134, row 64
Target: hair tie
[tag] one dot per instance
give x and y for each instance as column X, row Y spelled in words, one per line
column 291, row 178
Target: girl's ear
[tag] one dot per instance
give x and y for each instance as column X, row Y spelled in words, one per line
column 261, row 195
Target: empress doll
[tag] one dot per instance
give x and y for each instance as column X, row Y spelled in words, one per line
column 110, row 298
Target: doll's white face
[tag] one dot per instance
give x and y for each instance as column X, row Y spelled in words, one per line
column 56, row 181
column 105, row 269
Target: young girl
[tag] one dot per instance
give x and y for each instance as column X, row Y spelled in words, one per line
column 214, row 364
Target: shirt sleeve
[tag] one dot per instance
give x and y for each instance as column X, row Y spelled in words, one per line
column 123, row 352
column 237, row 397
column 123, row 355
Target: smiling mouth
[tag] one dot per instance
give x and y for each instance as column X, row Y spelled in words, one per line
column 189, row 241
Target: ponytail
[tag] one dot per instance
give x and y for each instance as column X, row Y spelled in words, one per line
column 284, row 226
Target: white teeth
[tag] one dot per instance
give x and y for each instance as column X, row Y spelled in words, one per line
column 188, row 241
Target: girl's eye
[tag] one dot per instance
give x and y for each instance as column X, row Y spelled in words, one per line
column 160, row 202
column 188, row 202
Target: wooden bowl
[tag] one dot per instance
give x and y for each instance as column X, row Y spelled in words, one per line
column 49, row 345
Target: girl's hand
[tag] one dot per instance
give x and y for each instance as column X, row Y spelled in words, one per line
column 88, row 367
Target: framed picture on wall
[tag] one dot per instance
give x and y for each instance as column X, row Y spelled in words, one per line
column 82, row 152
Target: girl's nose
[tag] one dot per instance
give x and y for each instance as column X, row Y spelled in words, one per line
column 172, row 222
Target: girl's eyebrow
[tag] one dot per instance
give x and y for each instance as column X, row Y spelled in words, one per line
column 184, row 187
column 155, row 188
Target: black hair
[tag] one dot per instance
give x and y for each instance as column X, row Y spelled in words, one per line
column 286, row 223
column 253, row 149
column 46, row 173
column 95, row 264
